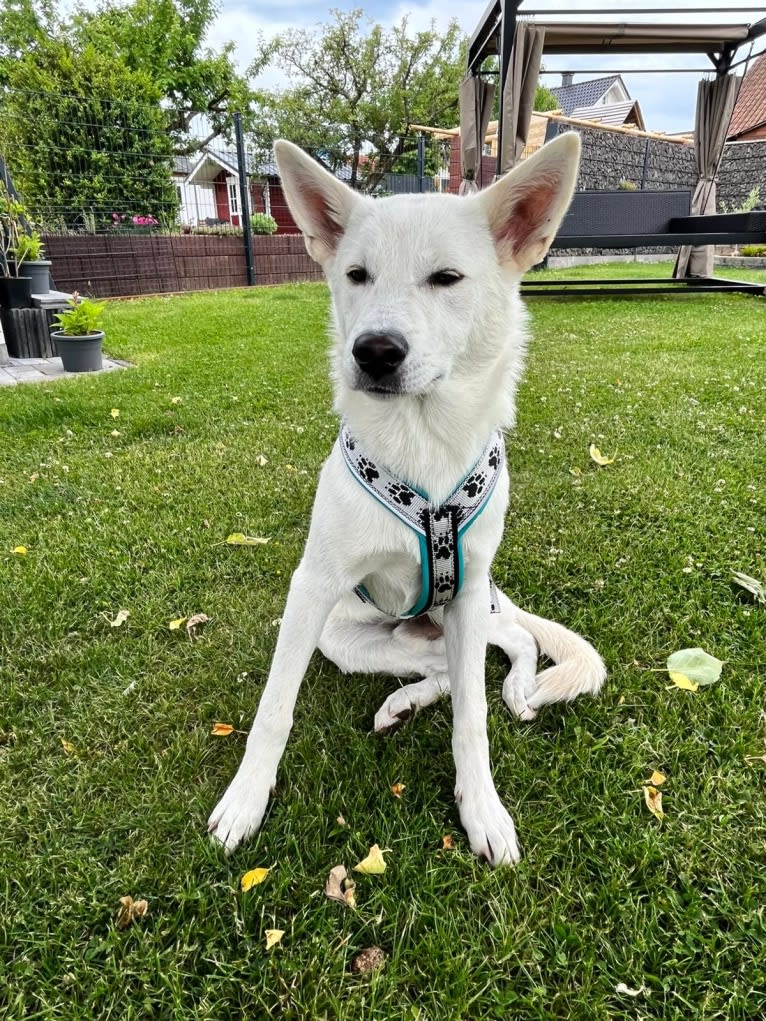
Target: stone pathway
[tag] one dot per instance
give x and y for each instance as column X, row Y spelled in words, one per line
column 42, row 370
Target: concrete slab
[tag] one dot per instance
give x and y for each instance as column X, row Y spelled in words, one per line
column 43, row 370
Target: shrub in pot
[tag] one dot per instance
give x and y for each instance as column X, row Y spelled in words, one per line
column 31, row 262
column 262, row 223
column 78, row 339
column 15, row 291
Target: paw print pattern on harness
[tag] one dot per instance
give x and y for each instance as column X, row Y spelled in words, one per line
column 401, row 494
column 474, row 484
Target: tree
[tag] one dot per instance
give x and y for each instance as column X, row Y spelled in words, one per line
column 85, row 138
column 163, row 39
column 545, row 99
column 359, row 89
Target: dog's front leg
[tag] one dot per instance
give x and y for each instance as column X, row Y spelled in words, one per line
column 488, row 825
column 240, row 811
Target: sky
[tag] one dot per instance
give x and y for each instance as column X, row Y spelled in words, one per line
column 667, row 100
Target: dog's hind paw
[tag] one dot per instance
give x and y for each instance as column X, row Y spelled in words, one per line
column 239, row 813
column 490, row 830
column 405, row 701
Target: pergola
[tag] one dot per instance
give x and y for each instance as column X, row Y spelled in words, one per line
column 518, row 39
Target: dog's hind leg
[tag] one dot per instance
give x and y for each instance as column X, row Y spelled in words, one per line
column 375, row 644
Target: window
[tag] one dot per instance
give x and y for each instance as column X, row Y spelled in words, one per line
column 233, row 198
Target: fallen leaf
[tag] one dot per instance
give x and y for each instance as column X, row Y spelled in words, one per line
column 176, row 400
column 115, row 433
column 374, row 864
column 448, row 844
column 657, row 778
column 397, row 789
column 695, row 666
column 222, row 729
column 253, row 878
column 340, row 821
column 261, row 461
column 622, row 988
column 115, row 412
column 653, row 799
column 598, row 457
column 273, row 936
column 290, row 468
column 756, row 588
column 194, row 622
column 174, row 625
column 68, row 747
column 368, row 960
column 339, row 887
column 120, row 619
column 20, row 550
column 575, row 471
column 130, row 910
column 240, row 539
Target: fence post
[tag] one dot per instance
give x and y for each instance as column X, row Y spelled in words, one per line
column 421, row 162
column 244, row 198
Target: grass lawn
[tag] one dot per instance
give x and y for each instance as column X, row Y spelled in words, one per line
column 108, row 768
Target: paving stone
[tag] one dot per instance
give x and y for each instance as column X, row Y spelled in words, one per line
column 42, row 370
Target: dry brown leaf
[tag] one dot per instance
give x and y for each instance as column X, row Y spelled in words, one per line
column 397, row 789
column 194, row 622
column 273, row 936
column 120, row 619
column 340, row 821
column 368, row 960
column 653, row 799
column 448, row 844
column 129, row 911
column 339, row 887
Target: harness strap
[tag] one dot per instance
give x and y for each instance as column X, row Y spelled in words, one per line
column 439, row 529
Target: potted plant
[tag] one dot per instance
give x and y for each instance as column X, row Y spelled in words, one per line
column 78, row 339
column 31, row 262
column 15, row 291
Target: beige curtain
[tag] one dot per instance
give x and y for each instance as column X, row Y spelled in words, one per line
column 475, row 108
column 715, row 104
column 519, row 91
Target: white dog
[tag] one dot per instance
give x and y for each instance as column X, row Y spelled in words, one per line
column 429, row 337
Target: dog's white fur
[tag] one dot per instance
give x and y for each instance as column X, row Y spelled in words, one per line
column 456, row 385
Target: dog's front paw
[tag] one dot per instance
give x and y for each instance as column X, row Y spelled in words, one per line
column 405, row 701
column 239, row 813
column 489, row 828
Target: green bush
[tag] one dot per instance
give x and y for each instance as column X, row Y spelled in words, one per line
column 262, row 223
column 29, row 248
column 753, row 250
column 82, row 317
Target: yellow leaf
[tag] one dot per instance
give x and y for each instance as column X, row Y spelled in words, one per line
column 253, row 878
column 575, row 471
column 397, row 789
column 120, row 619
column 20, row 550
column 222, row 729
column 68, row 747
column 115, row 412
column 598, row 457
column 240, row 539
column 174, row 625
column 682, row 681
column 176, row 400
column 115, row 433
column 657, row 778
column 653, row 799
column 273, row 936
column 374, row 864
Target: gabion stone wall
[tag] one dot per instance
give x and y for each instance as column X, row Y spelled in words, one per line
column 743, row 168
column 610, row 158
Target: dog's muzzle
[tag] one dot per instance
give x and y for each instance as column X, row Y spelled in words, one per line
column 379, row 356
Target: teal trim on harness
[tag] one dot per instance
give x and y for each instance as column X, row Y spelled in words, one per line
column 440, row 530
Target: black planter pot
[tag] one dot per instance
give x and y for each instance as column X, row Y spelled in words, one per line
column 15, row 292
column 79, row 354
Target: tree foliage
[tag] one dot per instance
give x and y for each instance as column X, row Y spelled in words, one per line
column 359, row 89
column 85, row 138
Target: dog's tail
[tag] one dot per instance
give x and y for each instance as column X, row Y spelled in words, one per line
column 577, row 667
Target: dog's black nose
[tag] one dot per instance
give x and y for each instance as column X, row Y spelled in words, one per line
column 379, row 354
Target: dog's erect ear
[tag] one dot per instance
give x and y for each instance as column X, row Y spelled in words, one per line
column 320, row 204
column 525, row 208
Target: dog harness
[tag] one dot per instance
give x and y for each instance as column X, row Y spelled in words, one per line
column 440, row 530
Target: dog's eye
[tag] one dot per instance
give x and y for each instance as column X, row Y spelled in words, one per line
column 358, row 274
column 445, row 278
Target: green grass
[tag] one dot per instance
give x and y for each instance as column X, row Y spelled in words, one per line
column 637, row 556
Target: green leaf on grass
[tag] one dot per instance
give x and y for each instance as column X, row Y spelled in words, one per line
column 756, row 588
column 689, row 668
